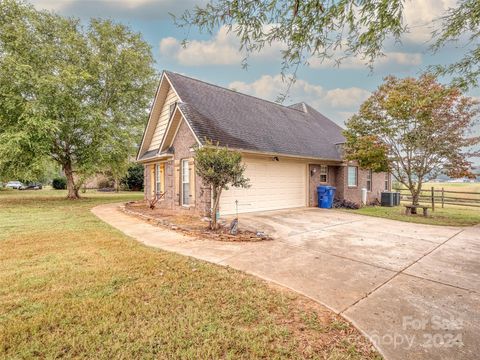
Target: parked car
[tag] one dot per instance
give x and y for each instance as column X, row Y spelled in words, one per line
column 14, row 185
column 31, row 186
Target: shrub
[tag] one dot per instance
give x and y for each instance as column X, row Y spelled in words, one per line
column 105, row 184
column 345, row 204
column 59, row 183
column 134, row 178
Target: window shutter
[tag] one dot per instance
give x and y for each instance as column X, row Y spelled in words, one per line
column 191, row 166
column 177, row 185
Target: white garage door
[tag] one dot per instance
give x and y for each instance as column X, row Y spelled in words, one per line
column 274, row 185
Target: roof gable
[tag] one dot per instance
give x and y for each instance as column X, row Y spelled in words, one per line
column 174, row 123
column 159, row 117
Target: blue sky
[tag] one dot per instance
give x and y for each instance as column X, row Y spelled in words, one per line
column 336, row 92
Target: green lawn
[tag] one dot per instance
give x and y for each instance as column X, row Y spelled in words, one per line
column 73, row 287
column 450, row 215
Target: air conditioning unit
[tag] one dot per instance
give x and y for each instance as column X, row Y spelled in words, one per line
column 388, row 198
column 396, row 198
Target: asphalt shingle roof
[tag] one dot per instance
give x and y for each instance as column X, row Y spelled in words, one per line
column 241, row 121
column 148, row 154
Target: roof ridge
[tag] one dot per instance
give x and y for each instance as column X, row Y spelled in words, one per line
column 237, row 92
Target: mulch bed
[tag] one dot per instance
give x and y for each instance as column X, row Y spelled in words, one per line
column 190, row 225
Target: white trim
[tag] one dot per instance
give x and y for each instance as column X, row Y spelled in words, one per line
column 150, row 115
column 155, row 100
column 161, row 158
column 193, row 132
column 320, row 173
column 356, row 176
column 170, row 83
column 168, row 129
column 182, row 175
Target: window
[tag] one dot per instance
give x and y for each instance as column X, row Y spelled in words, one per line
column 158, row 180
column 352, row 176
column 369, row 180
column 323, row 173
column 172, row 107
column 387, row 181
column 185, row 183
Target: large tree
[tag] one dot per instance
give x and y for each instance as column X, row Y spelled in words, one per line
column 68, row 92
column 414, row 128
column 335, row 29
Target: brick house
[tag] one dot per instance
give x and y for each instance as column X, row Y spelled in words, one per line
column 288, row 150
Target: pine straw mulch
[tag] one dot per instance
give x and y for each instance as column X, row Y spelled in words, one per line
column 189, row 224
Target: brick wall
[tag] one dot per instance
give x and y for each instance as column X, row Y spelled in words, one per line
column 314, row 181
column 184, row 141
column 355, row 193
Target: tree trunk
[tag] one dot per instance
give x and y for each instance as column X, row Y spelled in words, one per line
column 415, row 197
column 216, row 201
column 71, row 188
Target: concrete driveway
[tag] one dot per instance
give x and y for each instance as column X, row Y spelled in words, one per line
column 413, row 289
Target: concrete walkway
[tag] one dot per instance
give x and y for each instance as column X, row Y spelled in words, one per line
column 413, row 289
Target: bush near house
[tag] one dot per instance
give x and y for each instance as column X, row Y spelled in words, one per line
column 134, row 179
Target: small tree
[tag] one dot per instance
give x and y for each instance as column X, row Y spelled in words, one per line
column 219, row 168
column 414, row 128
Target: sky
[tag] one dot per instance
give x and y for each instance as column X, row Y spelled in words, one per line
column 337, row 92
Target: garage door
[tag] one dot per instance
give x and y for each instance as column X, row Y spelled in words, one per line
column 274, row 185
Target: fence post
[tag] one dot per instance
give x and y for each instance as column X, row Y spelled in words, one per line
column 433, row 199
column 443, row 199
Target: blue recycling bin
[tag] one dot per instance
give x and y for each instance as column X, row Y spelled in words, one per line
column 326, row 195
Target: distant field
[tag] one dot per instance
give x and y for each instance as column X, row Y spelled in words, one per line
column 468, row 187
column 453, row 190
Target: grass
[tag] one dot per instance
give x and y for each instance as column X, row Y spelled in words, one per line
column 451, row 215
column 73, row 287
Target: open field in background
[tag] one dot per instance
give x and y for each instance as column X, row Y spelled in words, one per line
column 73, row 287
column 467, row 187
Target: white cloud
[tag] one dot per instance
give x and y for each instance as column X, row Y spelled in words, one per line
column 347, row 97
column 390, row 58
column 419, row 15
column 338, row 103
column 222, row 49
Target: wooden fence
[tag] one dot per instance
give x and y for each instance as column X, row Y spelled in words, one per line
column 441, row 197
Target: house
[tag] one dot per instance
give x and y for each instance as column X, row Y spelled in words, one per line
column 288, row 150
